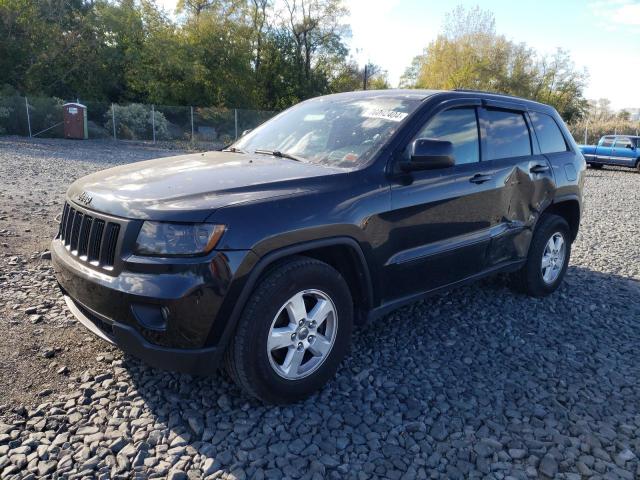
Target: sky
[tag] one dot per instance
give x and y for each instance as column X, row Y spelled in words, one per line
column 601, row 36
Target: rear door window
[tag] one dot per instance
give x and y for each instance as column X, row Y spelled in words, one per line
column 623, row 142
column 507, row 134
column 549, row 135
column 607, row 142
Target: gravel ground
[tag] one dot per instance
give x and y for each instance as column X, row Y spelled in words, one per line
column 479, row 382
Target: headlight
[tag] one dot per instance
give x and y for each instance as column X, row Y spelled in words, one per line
column 163, row 238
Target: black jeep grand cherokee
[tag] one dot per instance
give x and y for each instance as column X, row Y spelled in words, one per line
column 336, row 211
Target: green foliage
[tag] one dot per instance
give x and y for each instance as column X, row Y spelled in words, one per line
column 350, row 76
column 250, row 54
column 5, row 112
column 44, row 112
column 135, row 122
column 470, row 54
column 224, row 53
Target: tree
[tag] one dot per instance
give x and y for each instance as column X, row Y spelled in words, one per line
column 599, row 120
column 225, row 53
column 410, row 76
column 317, row 31
column 349, row 76
column 259, row 20
column 623, row 115
column 468, row 53
column 194, row 7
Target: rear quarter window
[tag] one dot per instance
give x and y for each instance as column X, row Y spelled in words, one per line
column 549, row 135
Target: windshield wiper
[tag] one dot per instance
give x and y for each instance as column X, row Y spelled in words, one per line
column 279, row 154
column 233, row 150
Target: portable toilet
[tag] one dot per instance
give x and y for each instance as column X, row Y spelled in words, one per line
column 75, row 121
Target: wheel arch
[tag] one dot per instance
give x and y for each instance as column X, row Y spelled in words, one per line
column 334, row 251
column 342, row 253
column 569, row 209
column 350, row 262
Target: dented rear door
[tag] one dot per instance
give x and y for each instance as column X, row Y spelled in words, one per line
column 524, row 174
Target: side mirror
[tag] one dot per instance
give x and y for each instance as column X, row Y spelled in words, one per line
column 430, row 154
column 630, row 146
column 244, row 132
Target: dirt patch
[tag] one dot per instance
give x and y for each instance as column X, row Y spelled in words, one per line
column 43, row 348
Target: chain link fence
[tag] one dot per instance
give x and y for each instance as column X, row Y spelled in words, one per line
column 209, row 127
column 43, row 117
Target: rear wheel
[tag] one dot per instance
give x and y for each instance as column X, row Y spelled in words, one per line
column 548, row 258
column 638, row 165
column 293, row 333
column 595, row 166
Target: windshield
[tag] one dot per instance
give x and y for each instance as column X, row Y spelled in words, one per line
column 338, row 131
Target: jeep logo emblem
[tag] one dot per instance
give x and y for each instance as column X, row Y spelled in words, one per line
column 85, row 198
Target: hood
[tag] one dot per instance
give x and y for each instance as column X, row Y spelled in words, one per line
column 190, row 187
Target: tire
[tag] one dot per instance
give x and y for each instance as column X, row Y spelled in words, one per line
column 638, row 165
column 596, row 166
column 262, row 372
column 530, row 279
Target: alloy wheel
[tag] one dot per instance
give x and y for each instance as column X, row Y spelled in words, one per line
column 302, row 334
column 553, row 258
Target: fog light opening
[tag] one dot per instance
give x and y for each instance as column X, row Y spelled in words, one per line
column 151, row 317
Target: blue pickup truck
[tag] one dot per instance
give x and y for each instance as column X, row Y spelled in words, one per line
column 620, row 150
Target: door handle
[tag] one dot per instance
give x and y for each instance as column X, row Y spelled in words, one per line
column 479, row 178
column 539, row 169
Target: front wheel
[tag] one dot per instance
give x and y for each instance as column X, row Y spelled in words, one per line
column 548, row 258
column 293, row 332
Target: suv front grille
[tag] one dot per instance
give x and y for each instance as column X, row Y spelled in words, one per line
column 91, row 239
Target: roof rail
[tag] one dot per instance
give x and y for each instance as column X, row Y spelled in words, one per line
column 471, row 90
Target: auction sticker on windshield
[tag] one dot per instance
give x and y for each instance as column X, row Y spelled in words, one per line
column 390, row 115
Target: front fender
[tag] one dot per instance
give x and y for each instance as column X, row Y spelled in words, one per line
column 254, row 266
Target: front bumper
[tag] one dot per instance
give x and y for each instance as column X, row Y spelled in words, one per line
column 202, row 361
column 190, row 297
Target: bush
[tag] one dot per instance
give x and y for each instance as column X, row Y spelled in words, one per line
column 220, row 120
column 96, row 131
column 599, row 128
column 4, row 115
column 134, row 122
column 44, row 112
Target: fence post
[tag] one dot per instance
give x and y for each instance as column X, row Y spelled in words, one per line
column 113, row 120
column 153, row 122
column 26, row 103
column 585, row 136
column 235, row 116
column 191, row 124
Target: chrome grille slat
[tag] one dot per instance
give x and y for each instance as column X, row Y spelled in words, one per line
column 96, row 240
column 83, row 242
column 89, row 238
column 111, row 239
column 63, row 221
column 67, row 228
column 75, row 231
